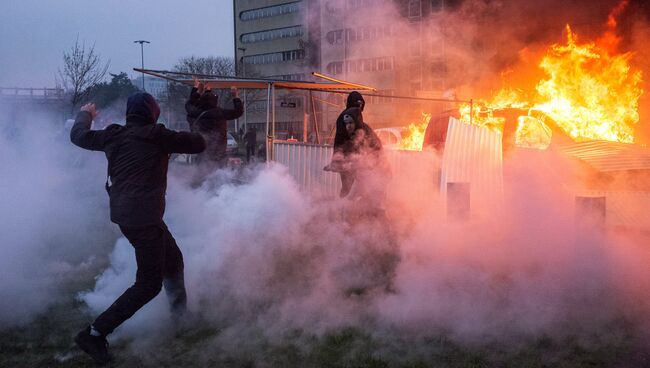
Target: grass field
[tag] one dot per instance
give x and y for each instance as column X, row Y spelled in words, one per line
column 47, row 342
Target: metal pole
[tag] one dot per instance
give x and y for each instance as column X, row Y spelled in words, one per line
column 142, row 42
column 243, row 67
column 458, row 201
column 313, row 109
column 471, row 110
column 142, row 58
column 305, row 118
column 268, row 112
column 272, row 117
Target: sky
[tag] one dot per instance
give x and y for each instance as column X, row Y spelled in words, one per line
column 35, row 33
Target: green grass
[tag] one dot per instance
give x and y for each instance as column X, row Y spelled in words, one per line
column 49, row 338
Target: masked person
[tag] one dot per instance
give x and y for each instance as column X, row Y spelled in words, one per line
column 350, row 144
column 358, row 157
column 206, row 117
column 138, row 157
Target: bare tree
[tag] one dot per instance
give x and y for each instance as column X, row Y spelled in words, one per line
column 211, row 65
column 82, row 69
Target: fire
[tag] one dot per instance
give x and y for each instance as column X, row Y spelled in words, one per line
column 482, row 112
column 589, row 91
column 415, row 136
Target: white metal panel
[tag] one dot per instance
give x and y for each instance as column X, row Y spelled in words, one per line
column 625, row 209
column 305, row 163
column 473, row 155
column 610, row 156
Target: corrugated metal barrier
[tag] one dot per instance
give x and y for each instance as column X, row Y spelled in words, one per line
column 305, row 163
column 472, row 154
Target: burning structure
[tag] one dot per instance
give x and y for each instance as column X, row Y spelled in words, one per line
column 578, row 93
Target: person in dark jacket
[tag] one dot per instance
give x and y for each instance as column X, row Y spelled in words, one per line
column 138, row 157
column 206, row 117
column 358, row 156
column 251, row 143
column 348, row 143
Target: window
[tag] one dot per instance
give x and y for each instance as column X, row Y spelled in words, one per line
column 270, row 11
column 335, row 37
column 361, row 65
column 416, row 71
column 275, row 57
column 294, row 77
column 335, row 68
column 415, row 8
column 439, row 67
column 415, row 48
column 272, row 34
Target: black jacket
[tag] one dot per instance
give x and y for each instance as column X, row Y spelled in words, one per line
column 362, row 141
column 138, row 156
column 206, row 117
column 251, row 138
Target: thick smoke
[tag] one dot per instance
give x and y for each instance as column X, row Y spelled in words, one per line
column 264, row 260
column 54, row 220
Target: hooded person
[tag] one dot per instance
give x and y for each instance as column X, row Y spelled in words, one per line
column 138, row 157
column 358, row 157
column 206, row 117
column 355, row 100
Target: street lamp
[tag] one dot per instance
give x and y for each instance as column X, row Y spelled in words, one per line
column 243, row 67
column 142, row 42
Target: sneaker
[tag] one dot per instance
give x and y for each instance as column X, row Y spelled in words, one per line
column 95, row 346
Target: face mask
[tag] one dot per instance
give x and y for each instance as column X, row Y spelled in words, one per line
column 349, row 123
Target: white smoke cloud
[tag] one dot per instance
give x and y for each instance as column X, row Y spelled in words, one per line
column 263, row 259
column 54, row 223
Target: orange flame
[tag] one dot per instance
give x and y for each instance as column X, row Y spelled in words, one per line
column 415, row 136
column 589, row 91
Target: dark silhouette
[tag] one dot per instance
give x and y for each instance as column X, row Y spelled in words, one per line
column 138, row 157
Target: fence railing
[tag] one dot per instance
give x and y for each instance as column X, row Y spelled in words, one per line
column 33, row 93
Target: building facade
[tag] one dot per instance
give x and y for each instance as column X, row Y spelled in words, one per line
column 155, row 86
column 393, row 45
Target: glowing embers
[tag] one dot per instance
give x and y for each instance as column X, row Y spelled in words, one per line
column 590, row 93
column 532, row 133
column 588, row 90
column 414, row 137
column 482, row 112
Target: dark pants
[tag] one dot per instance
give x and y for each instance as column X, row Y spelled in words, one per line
column 250, row 151
column 160, row 262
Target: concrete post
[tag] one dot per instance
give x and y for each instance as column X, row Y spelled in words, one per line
column 590, row 213
column 458, row 201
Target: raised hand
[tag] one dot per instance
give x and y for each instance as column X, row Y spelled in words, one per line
column 90, row 107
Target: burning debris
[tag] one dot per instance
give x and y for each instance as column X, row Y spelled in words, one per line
column 589, row 91
column 415, row 137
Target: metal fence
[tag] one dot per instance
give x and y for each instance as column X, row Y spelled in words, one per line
column 472, row 155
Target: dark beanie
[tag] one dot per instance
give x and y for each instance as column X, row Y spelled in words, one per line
column 353, row 97
column 142, row 106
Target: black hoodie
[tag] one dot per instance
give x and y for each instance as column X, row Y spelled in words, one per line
column 362, row 141
column 353, row 100
column 206, row 117
column 138, row 156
